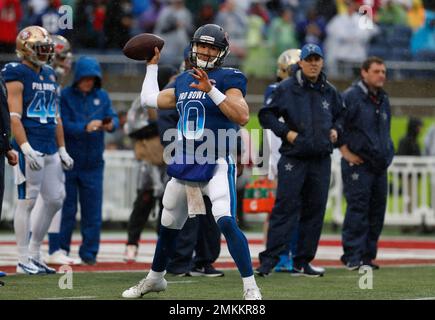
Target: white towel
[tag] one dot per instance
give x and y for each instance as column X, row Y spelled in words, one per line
column 19, row 177
column 195, row 202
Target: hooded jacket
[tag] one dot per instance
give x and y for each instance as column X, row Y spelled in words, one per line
column 78, row 109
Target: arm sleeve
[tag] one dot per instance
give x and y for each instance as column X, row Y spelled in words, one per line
column 150, row 87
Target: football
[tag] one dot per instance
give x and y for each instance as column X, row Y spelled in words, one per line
column 141, row 47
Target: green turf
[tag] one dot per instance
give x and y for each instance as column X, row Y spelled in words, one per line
column 388, row 283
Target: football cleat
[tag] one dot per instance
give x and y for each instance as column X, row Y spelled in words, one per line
column 42, row 267
column 145, row 286
column 252, row 294
column 27, row 268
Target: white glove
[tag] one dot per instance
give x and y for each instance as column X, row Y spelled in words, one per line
column 67, row 161
column 33, row 158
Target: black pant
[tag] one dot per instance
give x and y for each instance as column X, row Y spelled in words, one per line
column 2, row 180
column 200, row 234
column 366, row 195
column 301, row 199
column 139, row 216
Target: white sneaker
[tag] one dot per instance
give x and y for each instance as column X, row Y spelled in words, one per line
column 318, row 269
column 144, row 286
column 252, row 294
column 130, row 253
column 43, row 268
column 27, row 268
column 60, row 258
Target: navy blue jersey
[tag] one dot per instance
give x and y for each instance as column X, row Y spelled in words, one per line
column 40, row 101
column 268, row 93
column 199, row 117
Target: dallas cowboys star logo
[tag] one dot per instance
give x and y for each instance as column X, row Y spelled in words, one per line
column 288, row 167
column 311, row 47
column 325, row 105
column 355, row 176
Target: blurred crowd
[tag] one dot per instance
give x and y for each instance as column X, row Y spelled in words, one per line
column 258, row 29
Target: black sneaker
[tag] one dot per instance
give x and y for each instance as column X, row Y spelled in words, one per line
column 182, row 274
column 307, row 270
column 89, row 262
column 207, row 271
column 370, row 264
column 352, row 266
column 261, row 273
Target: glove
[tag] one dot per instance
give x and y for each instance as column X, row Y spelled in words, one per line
column 33, row 158
column 67, row 161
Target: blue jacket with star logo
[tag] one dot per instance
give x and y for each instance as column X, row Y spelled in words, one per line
column 78, row 109
column 367, row 125
column 310, row 109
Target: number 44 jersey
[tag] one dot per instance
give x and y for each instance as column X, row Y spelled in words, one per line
column 201, row 121
column 40, row 102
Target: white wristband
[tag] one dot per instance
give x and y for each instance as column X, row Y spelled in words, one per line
column 216, row 96
column 26, row 148
column 15, row 114
column 62, row 150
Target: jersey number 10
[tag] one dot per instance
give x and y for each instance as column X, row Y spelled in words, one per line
column 192, row 119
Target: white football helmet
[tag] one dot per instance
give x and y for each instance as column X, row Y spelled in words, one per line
column 285, row 62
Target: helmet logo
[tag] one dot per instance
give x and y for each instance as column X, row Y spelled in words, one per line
column 207, row 38
column 59, row 47
column 25, row 35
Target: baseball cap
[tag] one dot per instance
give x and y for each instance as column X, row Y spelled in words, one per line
column 310, row 49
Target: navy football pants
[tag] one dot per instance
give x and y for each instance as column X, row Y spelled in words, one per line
column 366, row 196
